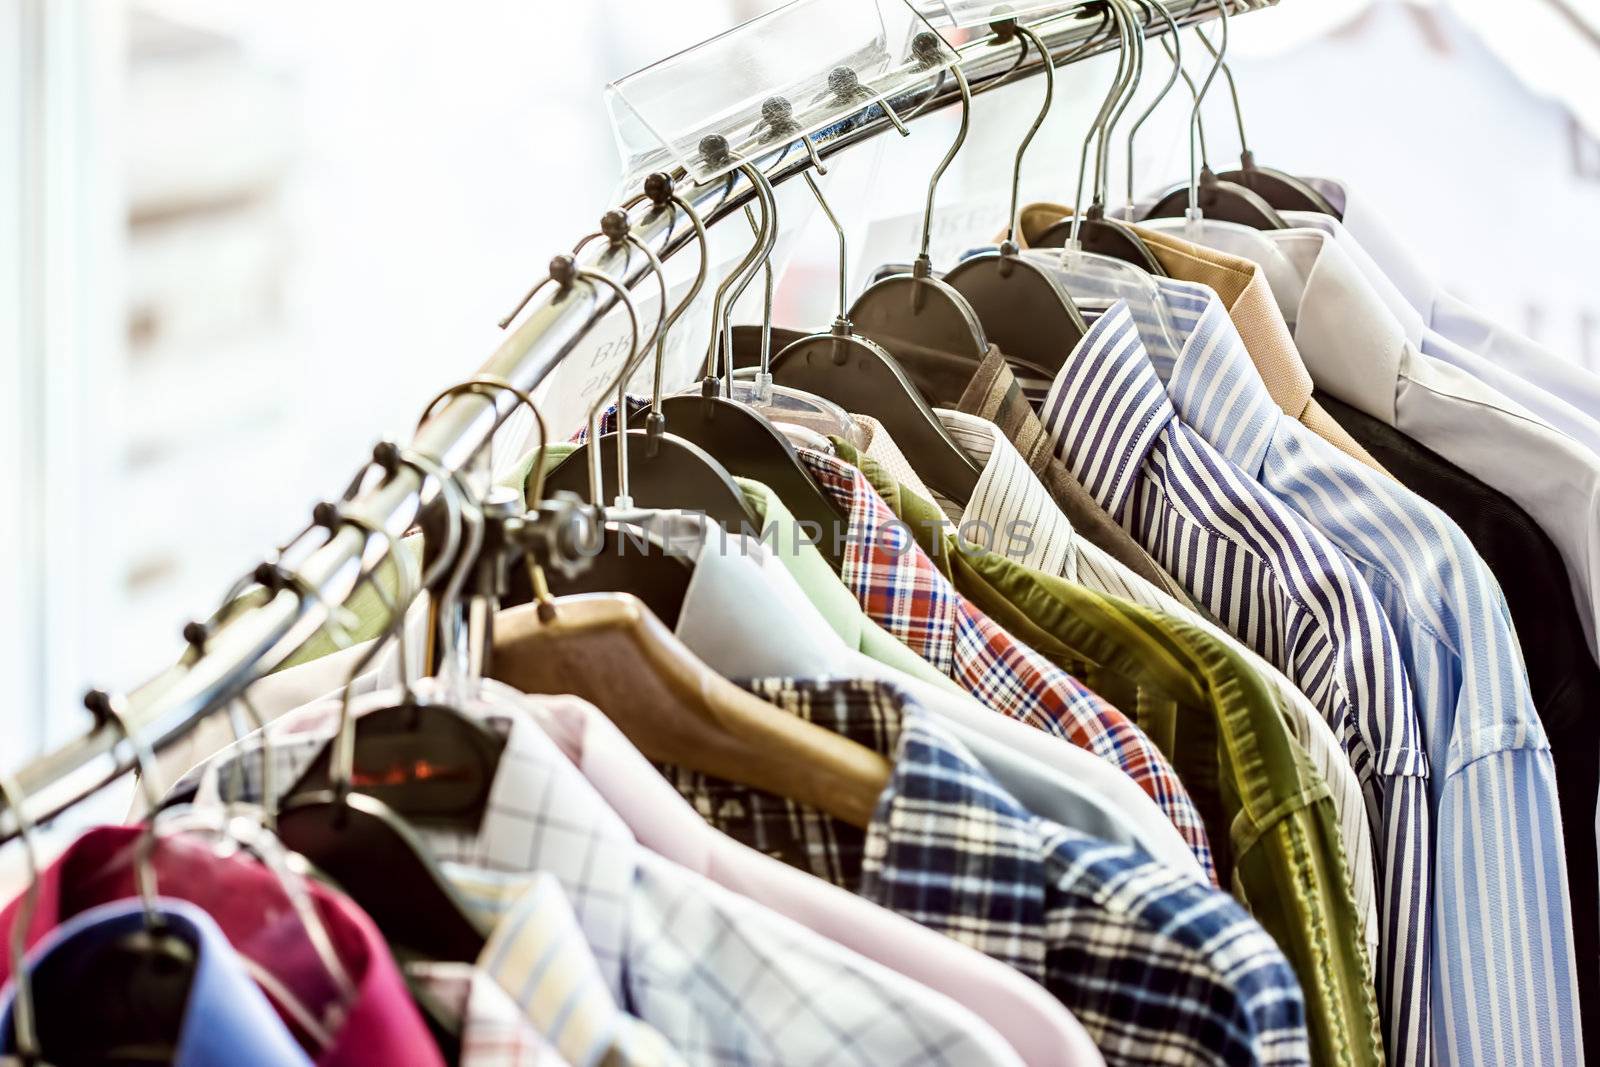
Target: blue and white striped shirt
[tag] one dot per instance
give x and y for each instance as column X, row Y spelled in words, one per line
column 1504, row 967
column 1285, row 591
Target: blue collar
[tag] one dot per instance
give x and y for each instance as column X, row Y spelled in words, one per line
column 227, row 1019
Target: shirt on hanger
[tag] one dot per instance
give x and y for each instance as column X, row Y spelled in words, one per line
column 904, row 592
column 248, row 904
column 1269, row 815
column 1561, row 672
column 1157, row 965
column 1009, row 494
column 226, row 1019
column 1573, row 387
column 1036, row 1025
column 1282, row 588
column 1479, row 726
column 494, row 1032
column 1242, row 286
column 721, row 978
column 1359, row 352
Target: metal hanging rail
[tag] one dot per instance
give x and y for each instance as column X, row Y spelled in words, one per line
column 322, row 568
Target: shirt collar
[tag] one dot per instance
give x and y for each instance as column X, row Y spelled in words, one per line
column 1010, row 511
column 1218, row 391
column 1352, row 341
column 97, row 867
column 541, row 814
column 226, row 1017
column 1107, row 409
column 494, row 1032
column 1364, row 224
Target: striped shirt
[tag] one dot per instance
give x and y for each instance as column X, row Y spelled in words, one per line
column 1286, row 591
column 1498, row 861
column 902, row 590
column 1013, row 515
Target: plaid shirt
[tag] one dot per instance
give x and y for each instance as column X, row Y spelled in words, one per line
column 706, row 976
column 903, row 591
column 494, row 1032
column 1157, row 965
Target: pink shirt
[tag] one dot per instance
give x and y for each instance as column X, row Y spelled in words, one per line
column 1032, row 1021
column 380, row 1026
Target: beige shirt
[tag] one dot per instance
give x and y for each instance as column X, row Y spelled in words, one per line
column 1244, row 291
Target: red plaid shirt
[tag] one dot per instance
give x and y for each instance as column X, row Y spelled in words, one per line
column 903, row 591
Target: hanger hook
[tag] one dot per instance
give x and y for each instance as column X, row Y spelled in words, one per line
column 1233, row 91
column 1137, row 28
column 1005, row 29
column 1099, row 125
column 616, row 228
column 490, row 385
column 113, row 709
column 767, row 238
column 659, row 188
column 23, row 1025
column 714, row 149
column 1174, row 49
column 567, row 272
column 1193, row 214
column 925, row 46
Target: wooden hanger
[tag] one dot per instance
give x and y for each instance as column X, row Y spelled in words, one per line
column 611, row 651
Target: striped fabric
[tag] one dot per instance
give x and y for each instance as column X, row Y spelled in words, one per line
column 1008, row 493
column 1287, row 592
column 1499, row 867
column 902, row 590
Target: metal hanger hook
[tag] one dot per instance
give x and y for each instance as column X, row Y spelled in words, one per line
column 112, row 708
column 767, row 238
column 659, row 188
column 491, row 385
column 1193, row 214
column 1233, row 88
column 924, row 44
column 714, row 148
column 1005, row 29
column 1175, row 50
column 565, row 267
column 1100, row 124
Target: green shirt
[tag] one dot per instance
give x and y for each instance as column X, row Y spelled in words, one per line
column 1267, row 810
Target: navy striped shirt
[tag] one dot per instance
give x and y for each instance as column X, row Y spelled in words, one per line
column 1285, row 591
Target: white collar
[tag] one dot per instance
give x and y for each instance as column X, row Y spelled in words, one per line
column 1351, row 342
column 1010, row 513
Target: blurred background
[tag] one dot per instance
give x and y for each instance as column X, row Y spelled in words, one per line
column 238, row 243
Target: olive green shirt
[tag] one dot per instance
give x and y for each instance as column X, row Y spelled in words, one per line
column 1268, row 812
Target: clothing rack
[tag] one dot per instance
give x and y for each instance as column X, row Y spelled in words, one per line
column 292, row 597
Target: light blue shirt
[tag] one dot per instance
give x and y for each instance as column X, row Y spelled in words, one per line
column 227, row 1019
column 1504, row 977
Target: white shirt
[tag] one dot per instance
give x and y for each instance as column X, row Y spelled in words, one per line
column 1358, row 350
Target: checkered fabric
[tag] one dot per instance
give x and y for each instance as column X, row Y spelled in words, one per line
column 494, row 1032
column 1160, row 967
column 695, row 973
column 902, row 590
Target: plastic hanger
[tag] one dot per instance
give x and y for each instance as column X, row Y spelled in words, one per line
column 918, row 318
column 609, row 650
column 359, row 840
column 861, row 376
column 1207, row 194
column 1022, row 307
column 676, row 473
